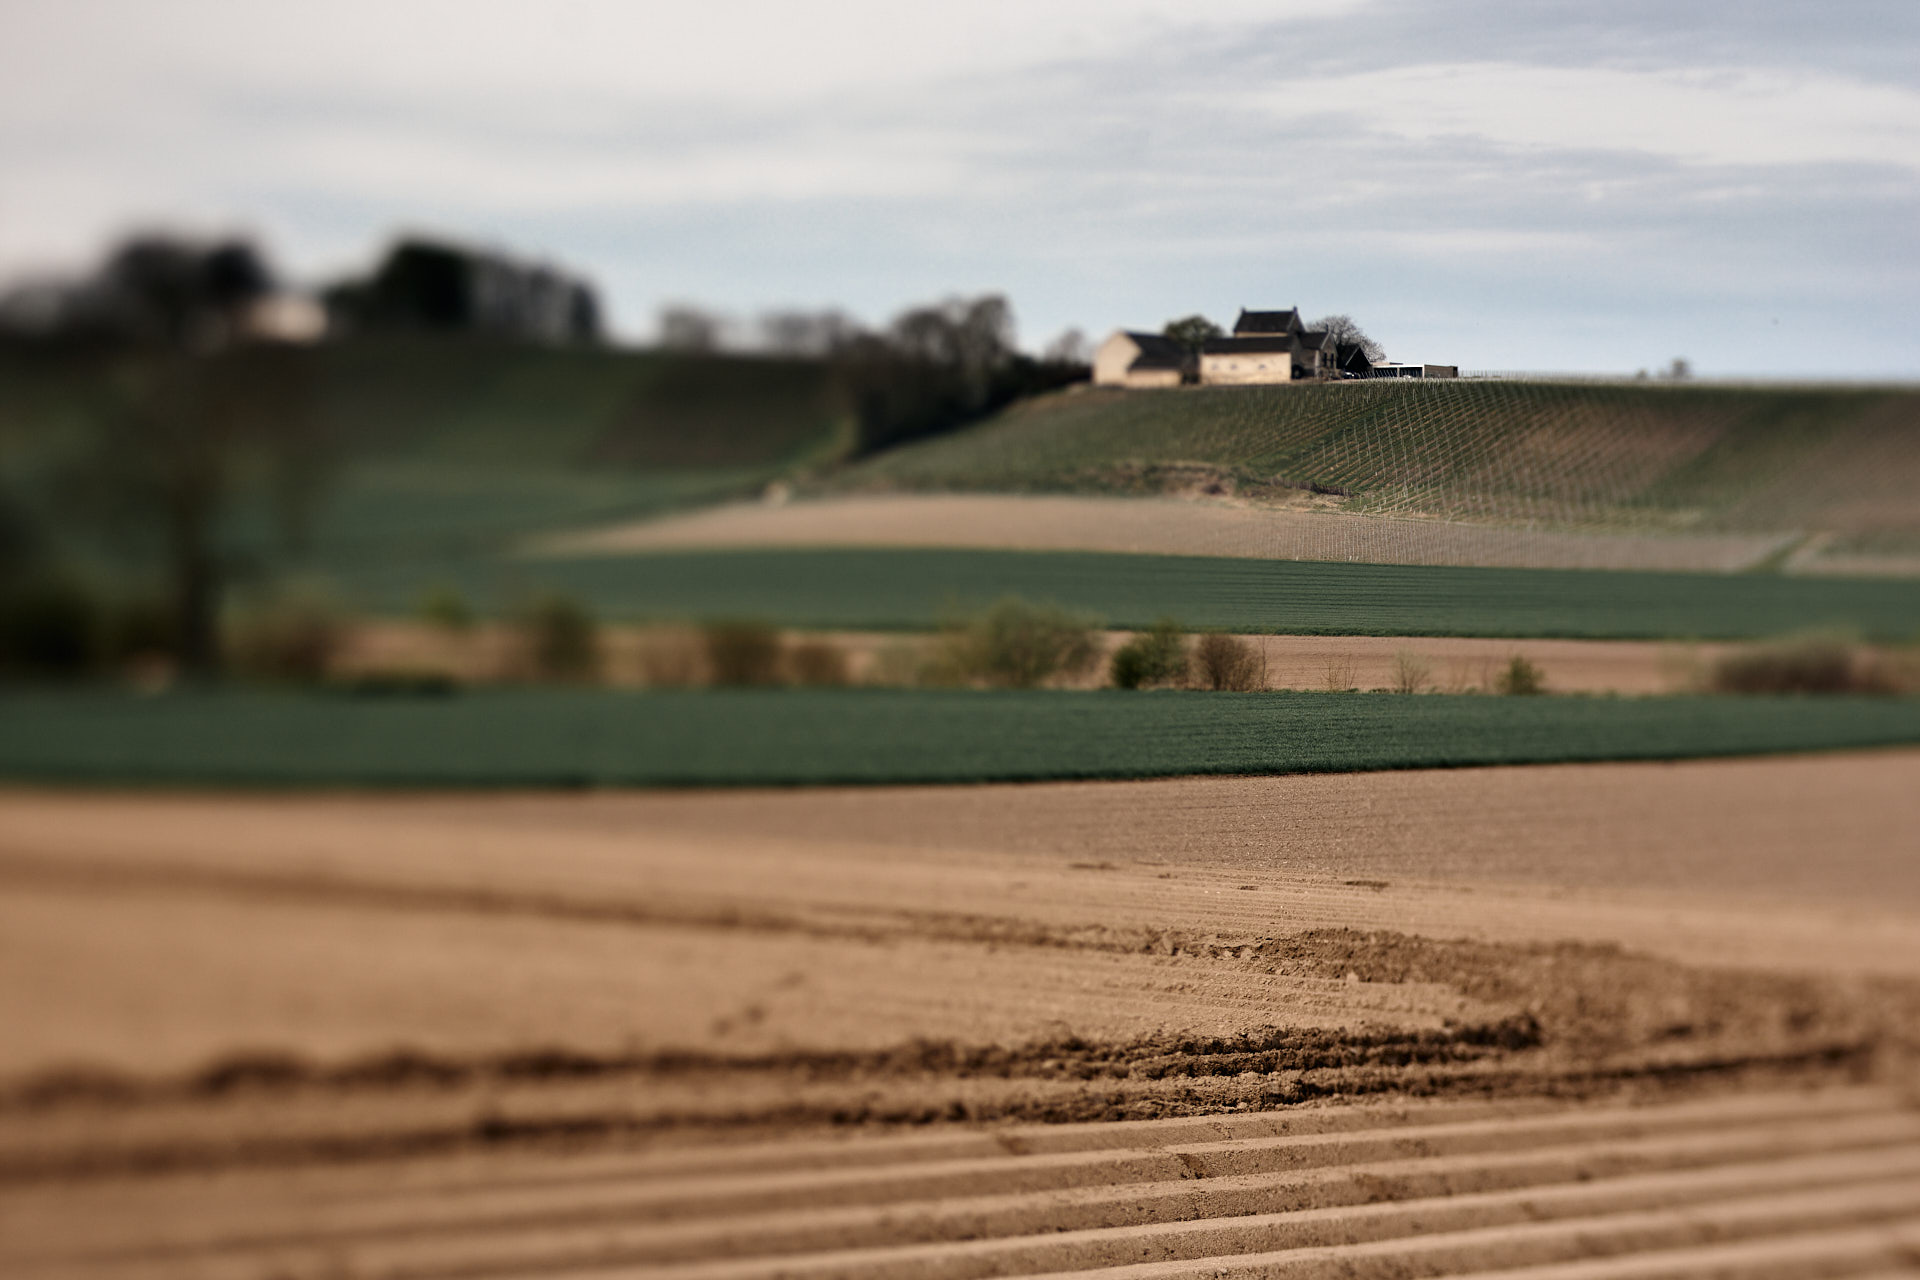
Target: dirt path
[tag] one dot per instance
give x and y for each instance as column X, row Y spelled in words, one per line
column 1161, row 526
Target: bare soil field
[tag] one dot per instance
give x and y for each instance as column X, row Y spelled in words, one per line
column 1382, row 1024
column 641, row 657
column 1297, row 529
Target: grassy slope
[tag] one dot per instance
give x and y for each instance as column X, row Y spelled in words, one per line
column 585, row 737
column 889, row 589
column 1601, row 456
column 454, row 450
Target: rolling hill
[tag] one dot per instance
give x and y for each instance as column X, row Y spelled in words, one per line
column 1840, row 467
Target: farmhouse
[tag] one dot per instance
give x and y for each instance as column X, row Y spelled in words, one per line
column 1142, row 360
column 1269, row 346
column 1265, row 347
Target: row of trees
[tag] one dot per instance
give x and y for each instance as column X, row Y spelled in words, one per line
column 931, row 369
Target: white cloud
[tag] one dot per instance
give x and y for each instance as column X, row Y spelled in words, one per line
column 1727, row 117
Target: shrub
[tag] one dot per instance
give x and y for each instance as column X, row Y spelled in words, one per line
column 291, row 636
column 1804, row 664
column 1225, row 662
column 817, row 662
column 1016, row 644
column 743, row 653
column 1342, row 674
column 1520, row 678
column 1411, row 673
column 445, row 608
column 561, row 637
column 50, row 625
column 1155, row 656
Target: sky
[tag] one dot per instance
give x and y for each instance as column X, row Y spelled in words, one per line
column 1543, row 186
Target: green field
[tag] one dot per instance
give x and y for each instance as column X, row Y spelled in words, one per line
column 595, row 738
column 912, row 589
column 1610, row 456
column 441, row 450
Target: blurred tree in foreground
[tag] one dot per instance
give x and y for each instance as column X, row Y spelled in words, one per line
column 197, row 408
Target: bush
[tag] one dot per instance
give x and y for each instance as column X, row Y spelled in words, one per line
column 817, row 662
column 446, row 609
column 292, row 636
column 1015, row 644
column 50, row 625
column 1805, row 664
column 562, row 639
column 743, row 653
column 1411, row 673
column 1521, row 678
column 1154, row 656
column 1225, row 662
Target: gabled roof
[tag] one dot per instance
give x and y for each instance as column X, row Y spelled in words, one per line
column 1157, row 351
column 1318, row 340
column 1267, row 322
column 1261, row 344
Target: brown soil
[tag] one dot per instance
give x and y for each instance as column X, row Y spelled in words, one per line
column 1292, row 528
column 644, row 656
column 434, row 1035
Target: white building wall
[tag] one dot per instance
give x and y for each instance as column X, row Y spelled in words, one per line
column 1247, row 370
column 1111, row 359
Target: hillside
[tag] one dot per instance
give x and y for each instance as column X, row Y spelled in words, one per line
column 435, row 448
column 1840, row 466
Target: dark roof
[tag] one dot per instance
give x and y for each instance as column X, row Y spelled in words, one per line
column 1157, row 351
column 1267, row 322
column 1316, row 340
column 1264, row 344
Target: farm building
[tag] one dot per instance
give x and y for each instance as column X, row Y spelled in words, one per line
column 1391, row 369
column 1141, row 360
column 1265, row 347
column 1268, row 346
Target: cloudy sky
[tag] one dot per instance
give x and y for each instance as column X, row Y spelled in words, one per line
column 1548, row 186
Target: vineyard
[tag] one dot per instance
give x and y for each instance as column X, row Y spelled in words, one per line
column 1840, row 464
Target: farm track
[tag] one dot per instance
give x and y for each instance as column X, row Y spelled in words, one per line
column 1800, row 1183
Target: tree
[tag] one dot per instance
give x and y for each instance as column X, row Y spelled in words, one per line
column 806, row 333
column 1071, row 347
column 1347, row 333
column 686, row 328
column 1192, row 331
column 191, row 434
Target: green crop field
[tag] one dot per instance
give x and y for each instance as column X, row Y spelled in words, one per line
column 439, row 449
column 909, row 589
column 595, row 738
column 1844, row 462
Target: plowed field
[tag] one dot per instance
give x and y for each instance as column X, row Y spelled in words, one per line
column 1590, row 1020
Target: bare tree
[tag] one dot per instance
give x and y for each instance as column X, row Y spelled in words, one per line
column 688, row 328
column 1346, row 332
column 1071, row 347
column 806, row 333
